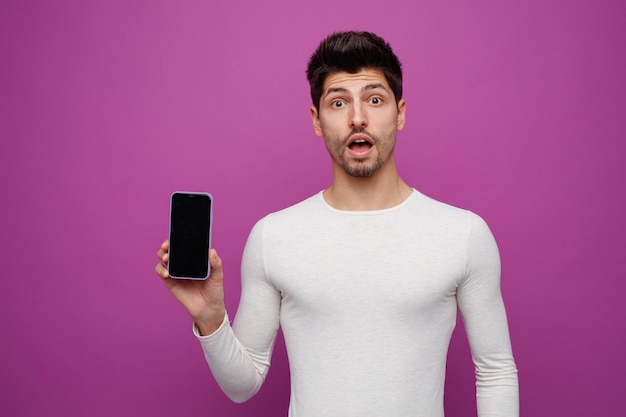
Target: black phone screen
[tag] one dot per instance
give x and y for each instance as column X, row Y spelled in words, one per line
column 190, row 235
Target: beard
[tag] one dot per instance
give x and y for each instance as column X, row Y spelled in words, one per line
column 361, row 167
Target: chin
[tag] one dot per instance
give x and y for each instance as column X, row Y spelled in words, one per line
column 361, row 171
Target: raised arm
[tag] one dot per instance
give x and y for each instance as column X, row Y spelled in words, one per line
column 239, row 359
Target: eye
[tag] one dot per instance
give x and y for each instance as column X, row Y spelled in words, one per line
column 337, row 104
column 376, row 100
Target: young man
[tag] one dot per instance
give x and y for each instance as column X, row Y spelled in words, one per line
column 365, row 278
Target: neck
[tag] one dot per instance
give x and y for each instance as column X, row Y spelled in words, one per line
column 383, row 190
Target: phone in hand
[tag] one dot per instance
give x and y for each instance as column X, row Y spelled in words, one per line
column 191, row 217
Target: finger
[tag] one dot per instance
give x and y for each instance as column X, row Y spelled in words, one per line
column 163, row 252
column 161, row 271
column 216, row 265
column 163, row 256
column 215, row 260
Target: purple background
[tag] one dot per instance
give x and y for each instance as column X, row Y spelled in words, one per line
column 516, row 110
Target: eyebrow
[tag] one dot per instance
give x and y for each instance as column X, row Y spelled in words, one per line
column 367, row 87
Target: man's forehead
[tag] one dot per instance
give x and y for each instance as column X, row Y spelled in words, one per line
column 358, row 80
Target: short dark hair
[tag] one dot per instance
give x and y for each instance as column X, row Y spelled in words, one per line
column 353, row 52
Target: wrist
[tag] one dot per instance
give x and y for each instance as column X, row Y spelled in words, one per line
column 209, row 325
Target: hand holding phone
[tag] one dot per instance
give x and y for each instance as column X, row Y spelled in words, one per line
column 190, row 235
column 203, row 299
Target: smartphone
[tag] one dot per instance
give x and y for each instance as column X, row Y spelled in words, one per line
column 191, row 217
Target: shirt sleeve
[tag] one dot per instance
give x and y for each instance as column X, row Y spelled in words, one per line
column 239, row 355
column 482, row 309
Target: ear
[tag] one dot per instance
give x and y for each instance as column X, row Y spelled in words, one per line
column 401, row 115
column 315, row 118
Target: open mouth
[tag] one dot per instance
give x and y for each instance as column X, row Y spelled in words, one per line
column 360, row 144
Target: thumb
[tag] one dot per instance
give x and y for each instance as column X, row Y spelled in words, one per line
column 217, row 274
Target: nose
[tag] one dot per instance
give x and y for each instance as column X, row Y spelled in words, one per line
column 358, row 116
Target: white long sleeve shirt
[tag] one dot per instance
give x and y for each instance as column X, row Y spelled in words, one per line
column 367, row 302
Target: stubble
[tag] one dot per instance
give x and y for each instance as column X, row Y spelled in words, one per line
column 359, row 167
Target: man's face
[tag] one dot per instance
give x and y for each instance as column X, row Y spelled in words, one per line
column 358, row 118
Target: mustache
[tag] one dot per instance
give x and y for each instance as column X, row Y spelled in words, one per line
column 361, row 131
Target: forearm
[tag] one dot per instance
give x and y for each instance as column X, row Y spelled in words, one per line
column 496, row 372
column 239, row 356
column 239, row 373
column 497, row 387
